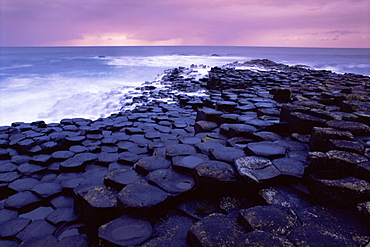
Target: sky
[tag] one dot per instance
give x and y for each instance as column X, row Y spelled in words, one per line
column 279, row 23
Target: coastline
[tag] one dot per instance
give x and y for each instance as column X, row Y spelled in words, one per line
column 287, row 141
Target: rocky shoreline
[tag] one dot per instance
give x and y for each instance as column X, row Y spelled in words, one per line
column 266, row 155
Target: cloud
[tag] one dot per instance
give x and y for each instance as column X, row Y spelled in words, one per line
column 180, row 22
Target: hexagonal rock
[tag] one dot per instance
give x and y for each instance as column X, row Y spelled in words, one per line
column 214, row 174
column 205, row 147
column 23, row 201
column 283, row 94
column 204, row 126
column 215, row 230
column 336, row 189
column 36, row 228
column 198, row 208
column 290, row 167
column 208, row 114
column 7, row 214
column 148, row 164
column 358, row 129
column 118, row 179
column 77, row 162
column 320, row 137
column 226, row 154
column 171, row 181
column 303, row 122
column 344, row 145
column 180, row 149
column 344, row 161
column 38, row 241
column 62, row 155
column 97, row 205
column 12, row 227
column 23, row 184
column 257, row 169
column 332, row 223
column 61, row 215
column 259, row 238
column 241, row 130
column 285, row 196
column 8, row 177
column 265, row 149
column 269, row 219
column 140, row 195
column 364, row 210
column 308, row 235
column 125, row 231
column 187, row 163
column 171, row 231
column 47, row 189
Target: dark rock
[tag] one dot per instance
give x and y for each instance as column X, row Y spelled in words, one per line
column 265, row 149
column 256, row 169
column 118, row 179
column 307, row 235
column 204, row 126
column 77, row 162
column 180, row 149
column 333, row 224
column 344, row 145
column 29, row 169
column 40, row 241
column 97, row 205
column 125, row 231
column 303, row 123
column 128, row 158
column 266, row 136
column 215, row 176
column 7, row 214
column 22, row 201
column 61, row 215
column 320, row 137
column 171, row 181
column 8, row 177
column 62, row 155
column 283, row 94
column 62, row 202
column 205, row 147
column 226, row 154
column 37, row 228
column 149, row 164
column 140, row 195
column 45, row 190
column 285, row 197
column 215, row 230
column 260, row 238
column 12, row 227
column 37, row 214
column 187, row 163
column 344, row 161
column 269, row 219
column 336, row 189
column 9, row 243
column 74, row 241
column 357, row 129
column 171, row 231
column 290, row 167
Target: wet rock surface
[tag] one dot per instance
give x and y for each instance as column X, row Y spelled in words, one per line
column 271, row 155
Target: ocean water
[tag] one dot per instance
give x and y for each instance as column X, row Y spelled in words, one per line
column 52, row 83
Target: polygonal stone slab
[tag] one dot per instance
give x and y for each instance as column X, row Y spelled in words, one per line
column 47, row 189
column 265, row 149
column 125, row 231
column 29, row 169
column 140, row 195
column 118, row 179
column 205, row 147
column 187, row 163
column 226, row 154
column 269, row 219
column 7, row 214
column 285, row 196
column 171, row 231
column 215, row 230
column 148, row 164
column 290, row 167
column 171, row 181
column 22, row 201
column 214, row 174
column 37, row 214
column 180, row 149
column 37, row 228
column 78, row 162
column 23, row 184
column 61, row 215
column 12, row 227
column 256, row 169
column 7, row 177
column 199, row 208
column 260, row 238
column 41, row 241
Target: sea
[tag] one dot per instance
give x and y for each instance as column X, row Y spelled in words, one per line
column 53, row 83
